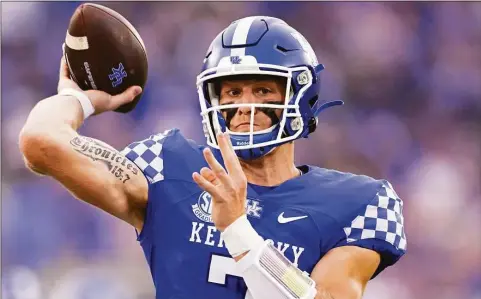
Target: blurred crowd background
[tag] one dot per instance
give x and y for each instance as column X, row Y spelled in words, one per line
column 410, row 74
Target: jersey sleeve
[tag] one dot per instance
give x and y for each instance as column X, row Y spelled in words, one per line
column 380, row 227
column 148, row 156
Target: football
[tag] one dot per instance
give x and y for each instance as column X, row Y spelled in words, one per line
column 105, row 52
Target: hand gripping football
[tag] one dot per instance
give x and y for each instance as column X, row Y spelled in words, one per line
column 105, row 52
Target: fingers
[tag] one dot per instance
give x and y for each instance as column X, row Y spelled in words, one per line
column 217, row 168
column 209, row 175
column 231, row 161
column 229, row 143
column 64, row 77
column 205, row 184
column 125, row 97
column 64, row 72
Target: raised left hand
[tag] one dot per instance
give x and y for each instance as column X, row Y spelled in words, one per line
column 101, row 101
column 227, row 188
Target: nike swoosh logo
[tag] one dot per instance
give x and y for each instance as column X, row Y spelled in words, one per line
column 283, row 219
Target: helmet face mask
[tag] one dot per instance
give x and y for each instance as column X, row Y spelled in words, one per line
column 212, row 113
column 268, row 47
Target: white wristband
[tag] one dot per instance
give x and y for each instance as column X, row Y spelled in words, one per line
column 87, row 107
column 269, row 274
column 240, row 237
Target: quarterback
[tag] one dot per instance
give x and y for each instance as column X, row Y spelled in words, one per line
column 235, row 218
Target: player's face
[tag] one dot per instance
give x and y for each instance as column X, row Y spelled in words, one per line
column 262, row 91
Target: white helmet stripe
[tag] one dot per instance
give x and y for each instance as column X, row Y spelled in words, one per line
column 240, row 36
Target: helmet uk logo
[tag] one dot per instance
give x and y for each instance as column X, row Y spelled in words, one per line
column 117, row 75
column 235, row 60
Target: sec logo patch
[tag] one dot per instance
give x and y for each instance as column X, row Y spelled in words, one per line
column 203, row 208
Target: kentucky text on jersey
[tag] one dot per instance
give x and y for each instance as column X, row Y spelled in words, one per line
column 304, row 217
column 208, row 235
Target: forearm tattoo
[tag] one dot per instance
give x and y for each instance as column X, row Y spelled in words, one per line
column 119, row 166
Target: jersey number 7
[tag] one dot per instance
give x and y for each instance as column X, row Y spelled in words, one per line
column 220, row 267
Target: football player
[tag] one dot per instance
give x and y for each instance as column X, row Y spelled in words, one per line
column 235, row 218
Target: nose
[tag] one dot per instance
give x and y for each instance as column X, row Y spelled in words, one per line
column 245, row 111
column 247, row 98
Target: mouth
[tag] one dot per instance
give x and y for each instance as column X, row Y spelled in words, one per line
column 244, row 127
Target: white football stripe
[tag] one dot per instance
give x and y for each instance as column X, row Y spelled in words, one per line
column 76, row 42
column 240, row 36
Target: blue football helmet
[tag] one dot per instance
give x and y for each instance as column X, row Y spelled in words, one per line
column 260, row 45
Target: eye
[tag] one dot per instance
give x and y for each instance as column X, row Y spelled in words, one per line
column 264, row 91
column 233, row 92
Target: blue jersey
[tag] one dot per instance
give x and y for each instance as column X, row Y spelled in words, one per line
column 305, row 217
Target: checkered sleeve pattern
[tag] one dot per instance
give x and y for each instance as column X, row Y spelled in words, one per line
column 382, row 219
column 147, row 155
